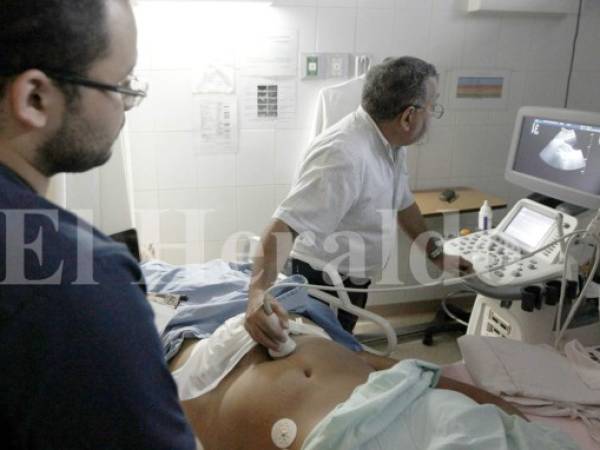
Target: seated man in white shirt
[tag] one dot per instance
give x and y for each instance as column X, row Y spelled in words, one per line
column 351, row 191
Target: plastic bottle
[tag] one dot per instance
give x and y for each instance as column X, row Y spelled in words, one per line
column 485, row 216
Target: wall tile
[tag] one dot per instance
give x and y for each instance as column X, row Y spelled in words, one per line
column 172, row 253
column 379, row 4
column 145, row 199
column 177, row 226
column 255, row 160
column 586, row 56
column 469, row 155
column 498, row 140
column 414, row 4
column 435, row 154
column 551, row 43
column 375, row 33
column 445, row 5
column 433, row 183
column 220, row 206
column 301, row 18
column 471, row 117
column 256, row 206
column 494, row 186
column 412, row 163
column 412, row 32
column 147, row 216
column 545, row 88
column 224, row 250
column 145, row 36
column 337, row 3
column 514, row 42
column 447, row 37
column 591, row 7
column 585, row 91
column 290, row 147
column 177, row 163
column 172, row 93
column 481, row 42
column 216, row 170
column 143, row 161
column 294, row 3
column 336, row 29
column 185, row 253
column 516, row 89
column 171, row 47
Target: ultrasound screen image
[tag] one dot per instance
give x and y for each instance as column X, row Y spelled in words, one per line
column 560, row 152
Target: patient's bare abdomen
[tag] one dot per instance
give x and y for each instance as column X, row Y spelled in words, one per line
column 304, row 387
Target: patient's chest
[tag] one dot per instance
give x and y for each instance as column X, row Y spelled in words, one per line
column 303, row 387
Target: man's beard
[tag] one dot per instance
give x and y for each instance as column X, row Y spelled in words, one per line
column 424, row 136
column 75, row 147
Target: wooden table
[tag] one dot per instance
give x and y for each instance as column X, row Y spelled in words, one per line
column 467, row 200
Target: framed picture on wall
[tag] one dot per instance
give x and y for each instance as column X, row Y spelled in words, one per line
column 478, row 89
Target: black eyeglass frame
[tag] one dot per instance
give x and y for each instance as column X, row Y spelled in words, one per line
column 82, row 81
column 76, row 79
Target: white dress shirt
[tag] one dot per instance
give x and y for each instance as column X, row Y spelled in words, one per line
column 346, row 196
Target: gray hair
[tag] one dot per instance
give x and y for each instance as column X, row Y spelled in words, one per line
column 394, row 85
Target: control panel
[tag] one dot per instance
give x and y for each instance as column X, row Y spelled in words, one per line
column 527, row 227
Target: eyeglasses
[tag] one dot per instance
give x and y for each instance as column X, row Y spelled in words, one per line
column 436, row 109
column 132, row 90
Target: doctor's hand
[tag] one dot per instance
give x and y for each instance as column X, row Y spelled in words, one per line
column 258, row 325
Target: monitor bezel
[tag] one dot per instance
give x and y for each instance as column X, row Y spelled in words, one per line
column 547, row 187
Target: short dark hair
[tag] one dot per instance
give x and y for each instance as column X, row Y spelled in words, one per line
column 395, row 84
column 60, row 35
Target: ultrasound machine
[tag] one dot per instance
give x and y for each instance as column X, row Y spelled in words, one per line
column 529, row 279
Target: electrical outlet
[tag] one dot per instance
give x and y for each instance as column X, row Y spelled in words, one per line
column 325, row 65
column 336, row 65
column 312, row 66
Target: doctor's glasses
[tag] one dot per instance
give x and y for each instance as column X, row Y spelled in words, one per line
column 436, row 109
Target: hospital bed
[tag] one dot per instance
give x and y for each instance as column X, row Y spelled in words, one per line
column 575, row 428
column 457, row 371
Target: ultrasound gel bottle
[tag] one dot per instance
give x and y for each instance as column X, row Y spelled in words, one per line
column 485, row 216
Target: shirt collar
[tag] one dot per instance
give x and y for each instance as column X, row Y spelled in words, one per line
column 14, row 178
column 367, row 117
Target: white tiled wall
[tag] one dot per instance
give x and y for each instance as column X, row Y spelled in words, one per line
column 240, row 191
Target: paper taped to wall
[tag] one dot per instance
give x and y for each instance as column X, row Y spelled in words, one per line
column 215, row 127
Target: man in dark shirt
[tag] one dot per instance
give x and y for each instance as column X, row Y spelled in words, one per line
column 81, row 362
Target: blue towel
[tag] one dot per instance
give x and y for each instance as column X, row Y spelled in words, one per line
column 218, row 290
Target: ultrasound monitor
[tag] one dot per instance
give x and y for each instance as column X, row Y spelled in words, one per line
column 556, row 152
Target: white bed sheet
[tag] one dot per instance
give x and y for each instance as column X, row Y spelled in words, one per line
column 574, row 428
